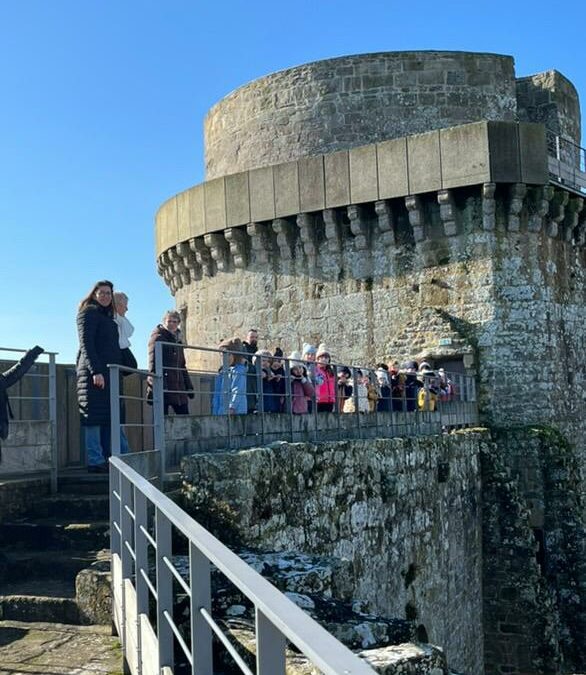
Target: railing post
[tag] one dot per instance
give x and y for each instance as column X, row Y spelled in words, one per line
column 53, row 422
column 288, row 398
column 115, row 408
column 159, row 409
column 260, row 403
column 141, row 564
column 270, row 647
column 115, row 541
column 356, row 400
column 125, row 557
column 201, row 598
column 164, row 590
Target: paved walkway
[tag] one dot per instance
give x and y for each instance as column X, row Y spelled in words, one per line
column 57, row 649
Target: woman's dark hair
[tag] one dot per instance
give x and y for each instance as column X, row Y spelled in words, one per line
column 90, row 298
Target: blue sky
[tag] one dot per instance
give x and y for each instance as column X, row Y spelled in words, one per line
column 102, row 112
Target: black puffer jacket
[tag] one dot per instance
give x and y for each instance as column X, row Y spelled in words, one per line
column 7, row 379
column 98, row 346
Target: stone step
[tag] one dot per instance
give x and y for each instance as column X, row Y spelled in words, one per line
column 31, row 608
column 85, row 507
column 80, row 482
column 54, row 534
column 19, row 566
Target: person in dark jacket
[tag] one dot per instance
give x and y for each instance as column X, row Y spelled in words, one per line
column 250, row 346
column 7, row 379
column 98, row 347
column 176, row 381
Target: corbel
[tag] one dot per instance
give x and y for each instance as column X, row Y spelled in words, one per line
column 238, row 242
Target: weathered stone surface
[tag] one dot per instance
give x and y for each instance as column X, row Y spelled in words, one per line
column 320, row 107
column 93, row 592
column 378, row 504
column 54, row 649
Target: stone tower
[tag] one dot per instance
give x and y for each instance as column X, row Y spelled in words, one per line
column 395, row 205
column 418, row 204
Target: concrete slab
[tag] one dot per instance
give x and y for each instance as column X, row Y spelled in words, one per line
column 337, row 179
column 503, row 143
column 533, row 153
column 215, row 204
column 286, row 179
column 196, row 211
column 237, row 199
column 363, row 174
column 183, row 216
column 465, row 158
column 262, row 194
column 312, row 190
column 393, row 179
column 423, row 155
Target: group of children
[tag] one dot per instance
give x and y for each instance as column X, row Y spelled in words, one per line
column 250, row 382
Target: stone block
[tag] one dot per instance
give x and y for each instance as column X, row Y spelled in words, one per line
column 465, row 158
column 533, row 153
column 503, row 143
column 363, row 174
column 215, row 204
column 337, row 179
column 286, row 179
column 167, row 224
column 183, row 216
column 423, row 152
column 196, row 211
column 312, row 188
column 393, row 178
column 237, row 199
column 262, row 194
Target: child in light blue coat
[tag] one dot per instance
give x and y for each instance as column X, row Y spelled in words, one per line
column 230, row 384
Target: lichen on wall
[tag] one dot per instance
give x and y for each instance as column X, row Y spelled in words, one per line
column 404, row 512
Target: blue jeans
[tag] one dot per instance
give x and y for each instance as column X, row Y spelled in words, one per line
column 98, row 444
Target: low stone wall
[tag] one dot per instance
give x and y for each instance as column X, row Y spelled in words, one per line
column 27, row 448
column 16, row 496
column 404, row 512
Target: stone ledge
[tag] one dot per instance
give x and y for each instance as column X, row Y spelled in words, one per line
column 469, row 154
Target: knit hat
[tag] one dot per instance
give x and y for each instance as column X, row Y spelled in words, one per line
column 424, row 366
column 410, row 365
column 308, row 349
column 278, row 352
column 295, row 359
column 322, row 350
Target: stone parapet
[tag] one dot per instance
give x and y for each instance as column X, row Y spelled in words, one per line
column 471, row 154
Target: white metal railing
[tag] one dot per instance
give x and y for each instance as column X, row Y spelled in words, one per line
column 143, row 521
column 40, row 405
column 566, row 162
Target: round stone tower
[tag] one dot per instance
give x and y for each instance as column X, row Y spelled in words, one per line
column 395, row 205
column 346, row 102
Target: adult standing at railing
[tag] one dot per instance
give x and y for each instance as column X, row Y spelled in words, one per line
column 177, row 385
column 250, row 346
column 7, row 379
column 98, row 346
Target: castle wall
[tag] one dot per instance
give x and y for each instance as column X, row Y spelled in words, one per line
column 551, row 99
column 354, row 100
column 405, row 512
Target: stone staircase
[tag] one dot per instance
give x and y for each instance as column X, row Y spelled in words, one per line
column 44, row 550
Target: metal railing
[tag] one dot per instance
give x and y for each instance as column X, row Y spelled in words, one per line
column 238, row 406
column 566, row 162
column 34, row 399
column 143, row 525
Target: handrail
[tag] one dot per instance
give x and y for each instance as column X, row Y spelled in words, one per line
column 51, row 398
column 283, row 615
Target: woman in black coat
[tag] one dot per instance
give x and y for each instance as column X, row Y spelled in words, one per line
column 98, row 346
